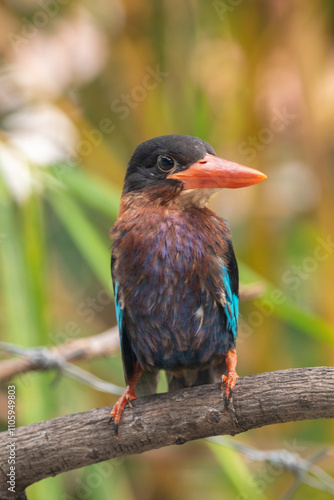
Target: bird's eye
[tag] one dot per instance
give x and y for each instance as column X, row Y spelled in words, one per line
column 165, row 163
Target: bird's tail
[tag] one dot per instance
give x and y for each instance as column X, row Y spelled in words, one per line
column 147, row 383
column 193, row 378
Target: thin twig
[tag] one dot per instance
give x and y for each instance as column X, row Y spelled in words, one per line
column 103, row 344
column 304, row 469
column 42, row 358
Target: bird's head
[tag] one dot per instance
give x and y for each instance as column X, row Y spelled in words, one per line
column 184, row 169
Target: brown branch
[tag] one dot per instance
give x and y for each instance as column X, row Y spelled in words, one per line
column 102, row 344
column 54, row 446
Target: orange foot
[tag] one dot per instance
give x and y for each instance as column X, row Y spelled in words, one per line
column 230, row 379
column 116, row 413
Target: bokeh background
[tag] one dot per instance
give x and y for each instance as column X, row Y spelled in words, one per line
column 81, row 84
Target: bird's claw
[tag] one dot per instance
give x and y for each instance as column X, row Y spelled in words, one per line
column 229, row 382
column 117, row 410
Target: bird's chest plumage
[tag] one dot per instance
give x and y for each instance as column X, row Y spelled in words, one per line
column 168, row 266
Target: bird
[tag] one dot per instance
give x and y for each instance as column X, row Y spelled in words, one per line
column 174, row 270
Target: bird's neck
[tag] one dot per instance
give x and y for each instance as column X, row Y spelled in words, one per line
column 140, row 215
column 198, row 198
column 161, row 200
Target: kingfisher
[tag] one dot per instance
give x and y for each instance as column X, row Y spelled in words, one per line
column 174, row 271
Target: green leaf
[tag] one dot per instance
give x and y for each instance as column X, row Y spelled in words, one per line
column 93, row 248
column 274, row 299
column 235, row 469
column 17, row 314
column 95, row 192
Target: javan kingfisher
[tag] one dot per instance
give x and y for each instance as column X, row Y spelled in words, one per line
column 174, row 271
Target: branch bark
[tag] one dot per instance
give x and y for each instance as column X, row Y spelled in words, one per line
column 54, row 446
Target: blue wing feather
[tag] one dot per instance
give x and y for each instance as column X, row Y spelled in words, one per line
column 231, row 307
column 119, row 311
column 126, row 349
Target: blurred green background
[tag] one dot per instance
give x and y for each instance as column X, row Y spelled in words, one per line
column 81, row 84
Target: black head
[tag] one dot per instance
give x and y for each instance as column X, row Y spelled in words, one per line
column 155, row 159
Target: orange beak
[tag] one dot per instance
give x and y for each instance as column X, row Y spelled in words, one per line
column 213, row 172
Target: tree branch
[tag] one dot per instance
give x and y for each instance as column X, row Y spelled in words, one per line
column 54, row 446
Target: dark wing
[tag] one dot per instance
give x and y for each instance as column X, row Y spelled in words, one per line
column 230, row 309
column 149, row 380
column 128, row 356
column 230, row 276
column 230, row 312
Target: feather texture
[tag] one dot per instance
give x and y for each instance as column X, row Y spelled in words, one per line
column 176, row 285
